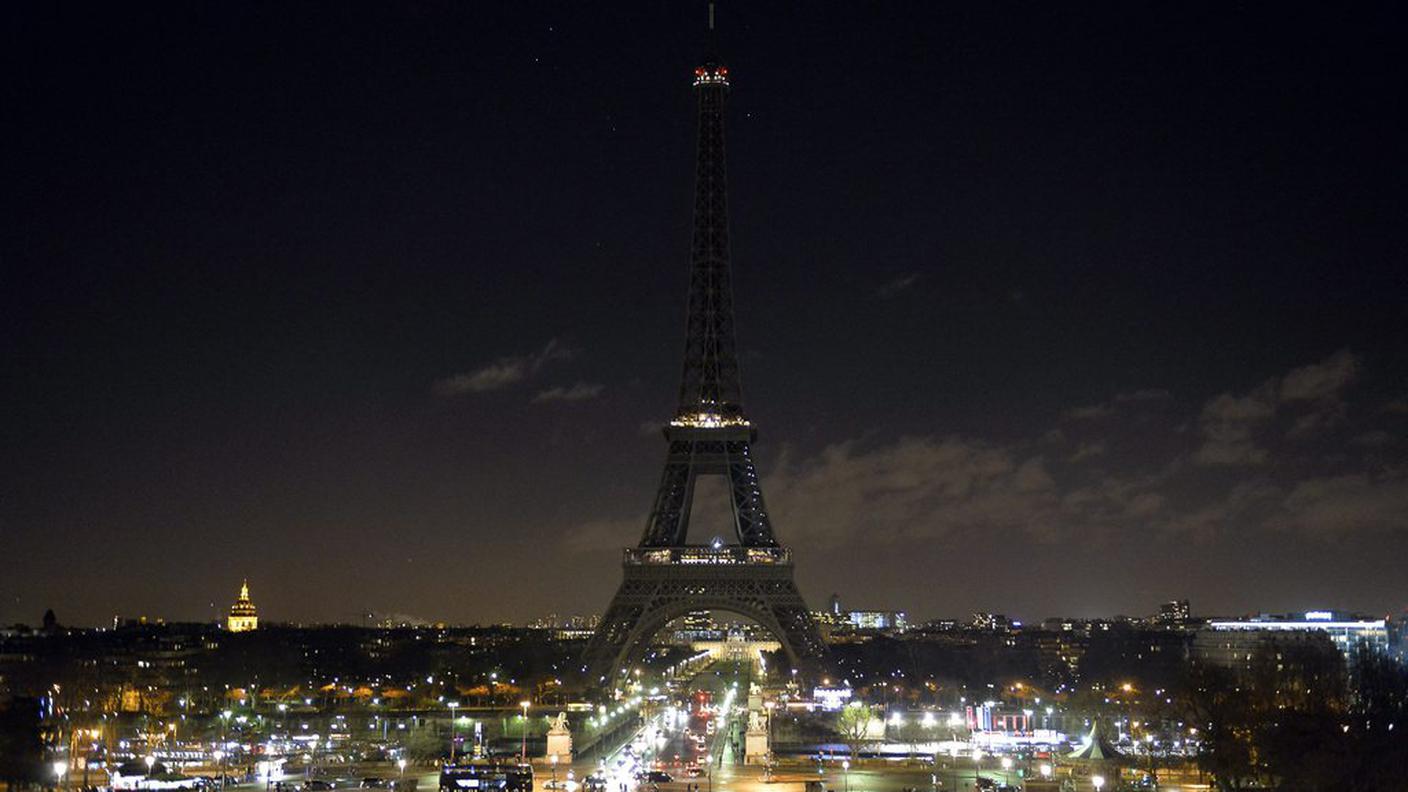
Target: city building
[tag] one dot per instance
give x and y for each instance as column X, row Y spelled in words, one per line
column 243, row 615
column 993, row 622
column 877, row 620
column 837, row 620
column 1175, row 613
column 1232, row 642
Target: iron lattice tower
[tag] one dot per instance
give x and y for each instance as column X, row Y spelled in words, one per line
column 665, row 577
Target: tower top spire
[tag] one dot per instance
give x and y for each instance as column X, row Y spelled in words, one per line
column 710, row 390
column 712, row 62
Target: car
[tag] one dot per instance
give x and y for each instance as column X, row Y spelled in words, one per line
column 314, row 785
column 658, row 777
column 694, row 771
column 374, row 783
column 595, row 782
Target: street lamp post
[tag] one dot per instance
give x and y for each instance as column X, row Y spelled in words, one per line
column 60, row 768
column 523, row 750
column 846, row 773
column 401, row 766
column 1098, row 782
column 453, row 705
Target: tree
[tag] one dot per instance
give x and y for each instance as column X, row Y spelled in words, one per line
column 1218, row 709
column 913, row 734
column 423, row 744
column 1278, row 723
column 21, row 744
column 854, row 726
column 1377, row 729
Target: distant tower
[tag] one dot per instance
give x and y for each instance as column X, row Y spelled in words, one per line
column 243, row 616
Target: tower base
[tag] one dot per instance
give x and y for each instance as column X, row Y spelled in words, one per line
column 663, row 584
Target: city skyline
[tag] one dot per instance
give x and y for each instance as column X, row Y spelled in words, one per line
column 381, row 324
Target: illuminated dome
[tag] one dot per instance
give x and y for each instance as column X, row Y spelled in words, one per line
column 243, row 615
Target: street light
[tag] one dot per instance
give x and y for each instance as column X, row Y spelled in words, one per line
column 401, row 765
column 453, row 705
column 846, row 773
column 1045, row 770
column 1098, row 781
column 554, row 771
column 220, row 766
column 523, row 750
column 60, row 767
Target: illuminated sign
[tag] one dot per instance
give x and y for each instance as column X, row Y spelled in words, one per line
column 1319, row 616
column 831, row 699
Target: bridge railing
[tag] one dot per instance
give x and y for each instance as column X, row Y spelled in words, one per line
column 707, row 555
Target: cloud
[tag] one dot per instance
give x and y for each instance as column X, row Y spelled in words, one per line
column 603, row 535
column 502, row 373
column 897, row 285
column 1158, row 478
column 1229, row 424
column 1372, row 439
column 1245, row 504
column 915, row 487
column 1145, row 395
column 1089, row 412
column 1122, row 401
column 582, row 391
column 1088, row 450
column 1321, row 381
column 1352, row 502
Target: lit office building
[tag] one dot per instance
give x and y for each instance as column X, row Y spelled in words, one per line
column 1232, row 643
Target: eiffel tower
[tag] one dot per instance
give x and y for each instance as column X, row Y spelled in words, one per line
column 664, row 577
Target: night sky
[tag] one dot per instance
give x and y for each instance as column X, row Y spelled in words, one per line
column 1043, row 308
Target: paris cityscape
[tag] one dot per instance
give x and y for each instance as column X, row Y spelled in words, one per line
column 343, row 345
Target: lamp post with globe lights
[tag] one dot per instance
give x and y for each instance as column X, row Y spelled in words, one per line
column 1098, row 782
column 60, row 770
column 523, row 749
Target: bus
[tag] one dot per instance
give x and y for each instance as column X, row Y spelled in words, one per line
column 492, row 776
